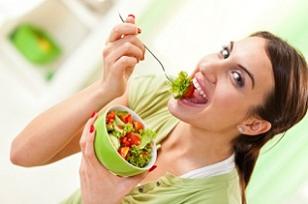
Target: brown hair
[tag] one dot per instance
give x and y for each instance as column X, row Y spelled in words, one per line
column 285, row 106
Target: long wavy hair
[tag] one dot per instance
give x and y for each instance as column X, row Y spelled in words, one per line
column 285, row 106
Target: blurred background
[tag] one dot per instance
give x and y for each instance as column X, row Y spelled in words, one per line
column 50, row 49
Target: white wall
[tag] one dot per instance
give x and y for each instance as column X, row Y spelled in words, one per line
column 203, row 26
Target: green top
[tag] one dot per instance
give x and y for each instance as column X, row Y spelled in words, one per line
column 148, row 96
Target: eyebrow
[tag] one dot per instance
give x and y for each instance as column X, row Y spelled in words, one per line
column 243, row 68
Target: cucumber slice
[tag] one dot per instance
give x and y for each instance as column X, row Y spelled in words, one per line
column 118, row 121
column 115, row 141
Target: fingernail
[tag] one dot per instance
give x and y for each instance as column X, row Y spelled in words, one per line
column 92, row 128
column 139, row 30
column 131, row 15
column 152, row 168
column 93, row 114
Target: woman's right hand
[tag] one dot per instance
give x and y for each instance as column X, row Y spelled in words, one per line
column 122, row 52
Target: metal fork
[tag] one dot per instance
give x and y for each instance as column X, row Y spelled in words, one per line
column 161, row 64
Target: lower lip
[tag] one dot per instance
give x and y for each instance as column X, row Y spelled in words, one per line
column 186, row 102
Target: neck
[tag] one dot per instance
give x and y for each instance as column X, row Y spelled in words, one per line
column 198, row 145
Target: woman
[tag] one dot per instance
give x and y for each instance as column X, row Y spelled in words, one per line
column 243, row 96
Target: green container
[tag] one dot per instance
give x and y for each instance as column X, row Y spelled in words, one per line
column 35, row 44
column 108, row 155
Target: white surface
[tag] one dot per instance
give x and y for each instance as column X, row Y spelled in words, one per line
column 14, row 8
column 22, row 185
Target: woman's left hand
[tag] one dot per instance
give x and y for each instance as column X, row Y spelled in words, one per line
column 98, row 185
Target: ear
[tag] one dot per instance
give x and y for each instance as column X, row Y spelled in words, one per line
column 254, row 126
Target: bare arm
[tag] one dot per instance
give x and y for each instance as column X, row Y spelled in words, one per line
column 73, row 145
column 54, row 134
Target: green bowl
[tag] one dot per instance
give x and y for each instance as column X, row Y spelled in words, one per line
column 108, row 155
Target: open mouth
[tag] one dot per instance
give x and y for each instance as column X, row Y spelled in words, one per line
column 198, row 96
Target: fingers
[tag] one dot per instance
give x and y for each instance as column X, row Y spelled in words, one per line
column 125, row 66
column 122, row 30
column 126, row 49
column 87, row 131
column 89, row 162
column 133, row 40
column 122, row 47
column 89, row 154
column 130, row 19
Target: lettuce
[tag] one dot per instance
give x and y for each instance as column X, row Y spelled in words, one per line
column 140, row 157
column 147, row 136
column 115, row 141
column 180, row 85
column 128, row 128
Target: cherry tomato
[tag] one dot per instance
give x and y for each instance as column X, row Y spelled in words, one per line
column 189, row 92
column 130, row 139
column 124, row 141
column 133, row 139
column 110, row 117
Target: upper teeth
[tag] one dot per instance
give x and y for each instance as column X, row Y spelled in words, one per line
column 197, row 85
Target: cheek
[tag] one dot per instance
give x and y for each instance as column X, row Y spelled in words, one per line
column 227, row 110
column 228, row 106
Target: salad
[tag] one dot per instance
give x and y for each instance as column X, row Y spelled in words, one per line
column 182, row 86
column 132, row 141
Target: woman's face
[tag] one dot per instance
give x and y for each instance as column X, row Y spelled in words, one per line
column 232, row 82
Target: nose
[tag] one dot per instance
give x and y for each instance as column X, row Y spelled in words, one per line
column 210, row 69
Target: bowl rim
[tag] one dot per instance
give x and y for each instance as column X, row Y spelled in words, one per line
column 139, row 119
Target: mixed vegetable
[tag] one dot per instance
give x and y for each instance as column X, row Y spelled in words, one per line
column 132, row 141
column 182, row 87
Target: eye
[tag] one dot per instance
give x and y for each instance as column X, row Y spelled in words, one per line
column 237, row 77
column 225, row 52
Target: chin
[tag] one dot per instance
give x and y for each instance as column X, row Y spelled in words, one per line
column 184, row 111
column 173, row 108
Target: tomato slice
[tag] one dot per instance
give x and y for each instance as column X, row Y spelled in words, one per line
column 137, row 125
column 127, row 118
column 123, row 151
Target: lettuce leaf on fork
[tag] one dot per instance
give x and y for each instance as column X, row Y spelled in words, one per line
column 181, row 85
